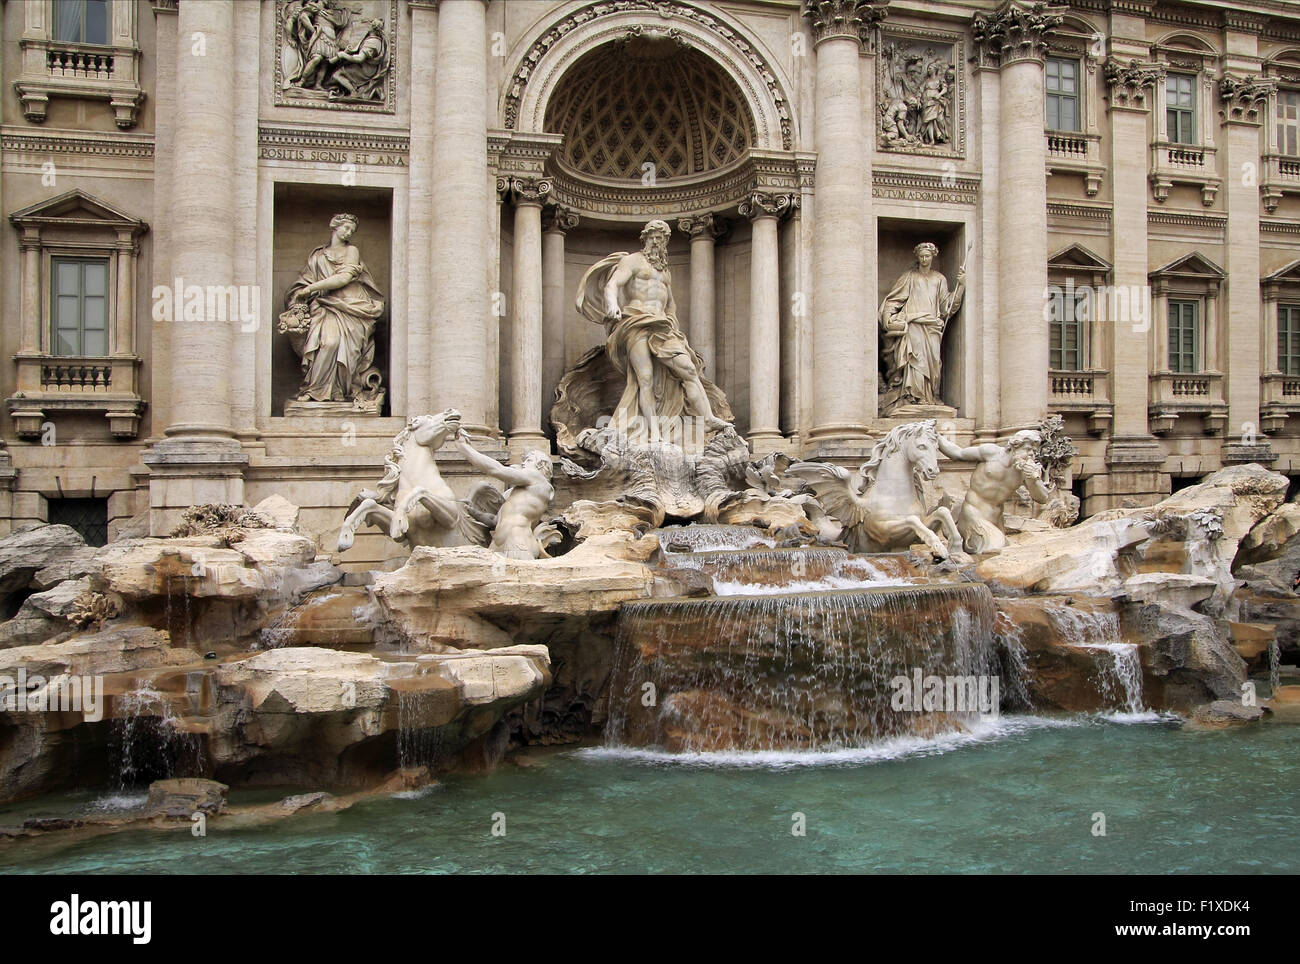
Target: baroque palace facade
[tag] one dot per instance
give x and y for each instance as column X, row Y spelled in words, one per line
column 1116, row 182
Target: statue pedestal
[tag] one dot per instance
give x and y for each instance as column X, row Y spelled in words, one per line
column 916, row 412
column 335, row 409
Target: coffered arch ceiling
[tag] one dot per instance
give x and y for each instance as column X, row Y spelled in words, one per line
column 649, row 101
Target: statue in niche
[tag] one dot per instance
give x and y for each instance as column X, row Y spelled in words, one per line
column 330, row 316
column 916, row 98
column 331, row 53
column 1000, row 471
column 913, row 317
column 662, row 395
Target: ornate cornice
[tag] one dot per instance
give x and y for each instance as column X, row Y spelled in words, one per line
column 1016, row 31
column 104, row 145
column 767, row 204
column 556, row 218
column 1084, row 212
column 520, row 189
column 1127, row 83
column 918, row 186
column 1134, row 8
column 703, row 225
column 316, row 138
column 1244, row 98
column 662, row 10
column 1244, row 21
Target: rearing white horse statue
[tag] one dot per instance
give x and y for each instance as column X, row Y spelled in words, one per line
column 413, row 503
column 881, row 507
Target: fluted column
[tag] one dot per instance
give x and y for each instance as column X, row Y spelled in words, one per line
column 844, row 336
column 704, row 230
column 557, row 221
column 765, row 209
column 123, row 336
column 527, row 195
column 1015, row 35
column 461, row 369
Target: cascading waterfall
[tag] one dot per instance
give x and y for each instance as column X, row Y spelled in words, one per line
column 1012, row 662
column 146, row 743
column 1119, row 668
column 771, row 571
column 703, row 538
column 1274, row 666
column 804, row 670
column 418, row 744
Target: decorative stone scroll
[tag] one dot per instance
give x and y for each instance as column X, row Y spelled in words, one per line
column 1244, row 97
column 1017, row 30
column 1127, row 83
column 335, row 55
column 766, row 204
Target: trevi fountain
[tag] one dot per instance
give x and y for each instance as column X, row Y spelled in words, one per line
column 700, row 636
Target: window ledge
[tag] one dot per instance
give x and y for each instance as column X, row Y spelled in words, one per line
column 1083, row 392
column 1184, row 164
column 1076, row 152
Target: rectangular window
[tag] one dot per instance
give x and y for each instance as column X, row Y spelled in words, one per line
column 1288, row 339
column 79, row 306
column 1180, row 104
column 1288, row 122
column 88, row 516
column 1062, row 95
column 1069, row 326
column 1184, row 337
column 81, row 21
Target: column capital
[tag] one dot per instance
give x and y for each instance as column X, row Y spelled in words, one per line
column 843, row 19
column 706, row 225
column 768, row 204
column 1244, row 98
column 1015, row 31
column 1126, row 84
column 558, row 219
column 522, row 190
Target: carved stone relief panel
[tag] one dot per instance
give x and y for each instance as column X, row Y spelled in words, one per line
column 336, row 54
column 919, row 94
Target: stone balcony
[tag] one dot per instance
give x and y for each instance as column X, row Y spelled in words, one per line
column 1082, row 392
column 50, row 384
column 1192, row 164
column 79, row 71
column 1279, row 400
column 1281, row 176
column 1075, row 152
column 1174, row 394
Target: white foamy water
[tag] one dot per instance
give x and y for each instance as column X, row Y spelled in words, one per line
column 112, row 802
column 736, row 587
column 898, row 748
column 1119, row 668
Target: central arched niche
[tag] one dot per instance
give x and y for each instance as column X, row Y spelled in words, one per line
column 644, row 101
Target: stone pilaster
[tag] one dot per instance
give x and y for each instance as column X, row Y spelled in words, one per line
column 704, row 231
column 527, row 194
column 1245, row 104
column 844, row 368
column 199, row 461
column 557, row 221
column 765, row 209
column 462, row 372
column 420, row 209
column 1014, row 38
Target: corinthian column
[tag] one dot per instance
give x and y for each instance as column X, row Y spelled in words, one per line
column 765, row 210
column 844, row 334
column 704, row 230
column 557, row 221
column 1015, row 37
column 460, row 343
column 526, row 319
